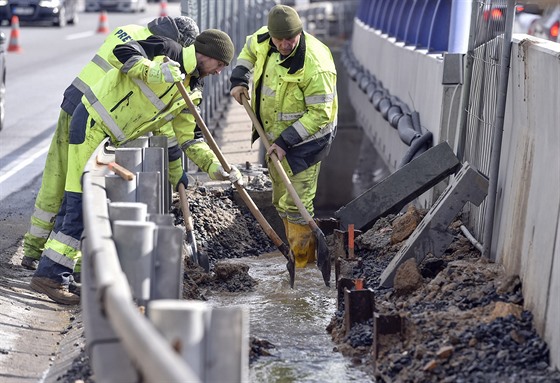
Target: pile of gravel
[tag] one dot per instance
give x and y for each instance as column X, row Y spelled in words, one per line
column 464, row 322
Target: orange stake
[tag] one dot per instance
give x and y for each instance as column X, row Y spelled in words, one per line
column 359, row 284
column 351, row 241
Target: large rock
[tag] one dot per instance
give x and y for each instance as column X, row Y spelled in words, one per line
column 405, row 225
column 408, row 278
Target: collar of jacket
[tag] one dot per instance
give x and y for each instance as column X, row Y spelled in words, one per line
column 295, row 61
column 188, row 60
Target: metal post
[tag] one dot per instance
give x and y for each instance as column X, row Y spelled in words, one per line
column 227, row 357
column 498, row 133
column 134, row 242
column 120, row 190
column 149, row 191
column 167, row 274
column 161, row 219
column 127, row 211
column 161, row 142
column 184, row 324
column 130, row 158
column 465, row 94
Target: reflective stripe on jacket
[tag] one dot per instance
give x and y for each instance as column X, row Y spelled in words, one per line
column 305, row 105
column 126, row 107
column 101, row 62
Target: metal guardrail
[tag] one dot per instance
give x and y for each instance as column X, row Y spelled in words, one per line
column 137, row 328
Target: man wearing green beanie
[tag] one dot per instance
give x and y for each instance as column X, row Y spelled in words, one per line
column 293, row 94
column 126, row 103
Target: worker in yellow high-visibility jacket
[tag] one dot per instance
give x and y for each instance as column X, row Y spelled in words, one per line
column 125, row 104
column 49, row 199
column 294, row 97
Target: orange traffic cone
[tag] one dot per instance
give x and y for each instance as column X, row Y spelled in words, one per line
column 14, row 36
column 103, row 23
column 163, row 8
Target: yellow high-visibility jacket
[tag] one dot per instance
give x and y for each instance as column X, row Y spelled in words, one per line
column 294, row 98
column 127, row 107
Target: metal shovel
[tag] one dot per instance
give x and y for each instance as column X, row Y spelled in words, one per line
column 323, row 258
column 196, row 256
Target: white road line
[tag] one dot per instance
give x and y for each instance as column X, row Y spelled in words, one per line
column 23, row 164
column 82, row 35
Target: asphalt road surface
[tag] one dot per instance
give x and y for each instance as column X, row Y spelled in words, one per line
column 33, row 330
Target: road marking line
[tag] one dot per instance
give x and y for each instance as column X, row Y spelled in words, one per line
column 81, row 35
column 23, row 164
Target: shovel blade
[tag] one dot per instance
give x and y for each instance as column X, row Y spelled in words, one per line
column 323, row 257
column 191, row 244
column 197, row 257
column 203, row 261
column 291, row 266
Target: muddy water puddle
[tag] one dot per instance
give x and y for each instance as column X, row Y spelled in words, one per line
column 294, row 321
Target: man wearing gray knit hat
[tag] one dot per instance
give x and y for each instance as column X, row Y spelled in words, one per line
column 138, row 99
column 215, row 44
column 294, row 97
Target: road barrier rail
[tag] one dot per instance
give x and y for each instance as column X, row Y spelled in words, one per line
column 136, row 325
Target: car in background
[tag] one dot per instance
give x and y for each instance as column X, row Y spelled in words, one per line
column 53, row 12
column 2, row 78
column 116, row 5
column 548, row 26
column 525, row 17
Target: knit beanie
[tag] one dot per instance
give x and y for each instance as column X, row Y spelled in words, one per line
column 215, row 44
column 188, row 30
column 284, row 22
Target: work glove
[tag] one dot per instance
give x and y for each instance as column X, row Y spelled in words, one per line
column 217, row 173
column 183, row 180
column 159, row 73
column 238, row 91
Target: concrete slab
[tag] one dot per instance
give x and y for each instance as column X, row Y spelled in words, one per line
column 399, row 188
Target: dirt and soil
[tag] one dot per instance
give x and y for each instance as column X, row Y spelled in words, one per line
column 462, row 318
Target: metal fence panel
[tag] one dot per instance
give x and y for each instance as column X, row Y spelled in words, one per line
column 483, row 97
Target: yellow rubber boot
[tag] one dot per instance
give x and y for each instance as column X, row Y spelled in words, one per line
column 302, row 243
column 286, row 229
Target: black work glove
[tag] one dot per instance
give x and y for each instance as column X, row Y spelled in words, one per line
column 184, row 180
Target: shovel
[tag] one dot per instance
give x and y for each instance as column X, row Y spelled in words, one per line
column 196, row 256
column 323, row 258
column 284, row 249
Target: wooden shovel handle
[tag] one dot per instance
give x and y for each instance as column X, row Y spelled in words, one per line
column 185, row 208
column 121, row 171
column 293, row 193
column 242, row 192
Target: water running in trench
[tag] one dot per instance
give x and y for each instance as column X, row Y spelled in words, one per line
column 294, row 321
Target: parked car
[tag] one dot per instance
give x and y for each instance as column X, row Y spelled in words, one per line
column 548, row 26
column 2, row 78
column 116, row 5
column 54, row 12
